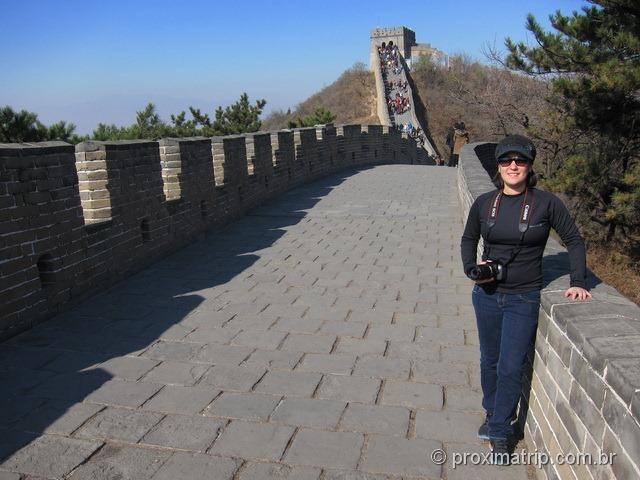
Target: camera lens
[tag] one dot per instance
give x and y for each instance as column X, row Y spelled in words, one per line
column 481, row 272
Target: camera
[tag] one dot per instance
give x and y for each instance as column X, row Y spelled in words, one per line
column 495, row 270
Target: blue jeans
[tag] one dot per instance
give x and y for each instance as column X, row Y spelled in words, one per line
column 506, row 328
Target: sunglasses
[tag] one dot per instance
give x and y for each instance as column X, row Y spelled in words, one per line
column 521, row 162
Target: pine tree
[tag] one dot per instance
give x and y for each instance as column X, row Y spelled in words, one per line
column 320, row 116
column 241, row 117
column 24, row 126
column 593, row 63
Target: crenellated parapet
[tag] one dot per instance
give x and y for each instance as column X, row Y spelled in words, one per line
column 42, row 241
column 74, row 220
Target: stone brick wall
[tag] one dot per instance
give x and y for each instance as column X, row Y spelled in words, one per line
column 75, row 220
column 583, row 381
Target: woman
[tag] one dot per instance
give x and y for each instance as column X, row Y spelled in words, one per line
column 514, row 222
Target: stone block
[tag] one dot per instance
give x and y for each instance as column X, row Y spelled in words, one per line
column 622, row 423
column 51, row 455
column 413, row 351
column 570, row 420
column 72, row 386
column 623, row 375
column 300, row 325
column 586, row 411
column 57, row 417
column 260, row 441
column 588, row 379
column 195, row 466
column 120, row 461
column 349, row 388
column 622, row 466
column 440, row 336
column 177, row 351
column 439, row 373
column 309, row 412
column 280, row 382
column 383, row 367
column 357, row 346
column 484, row 472
column 335, row 363
column 310, row 343
column 274, row 359
column 463, row 399
column 447, row 426
column 416, row 319
column 460, row 354
column 559, row 372
column 9, row 476
column 268, row 340
column 223, row 354
column 392, row 332
column 325, row 449
column 356, row 475
column 386, row 420
column 123, row 393
column 182, row 400
column 601, row 349
column 549, row 388
column 119, row 424
column 128, row 368
column 233, row 378
column 399, row 456
column 176, row 373
column 247, row 406
column 276, row 471
column 184, row 432
column 559, row 342
column 412, row 394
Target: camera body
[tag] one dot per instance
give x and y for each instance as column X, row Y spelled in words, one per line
column 485, row 271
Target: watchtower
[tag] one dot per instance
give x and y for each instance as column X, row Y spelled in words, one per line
column 403, row 37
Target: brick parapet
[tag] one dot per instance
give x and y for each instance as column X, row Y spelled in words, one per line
column 74, row 220
column 583, row 390
column 41, row 230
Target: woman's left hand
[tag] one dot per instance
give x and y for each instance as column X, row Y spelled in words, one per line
column 577, row 293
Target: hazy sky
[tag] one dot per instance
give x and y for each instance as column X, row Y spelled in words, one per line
column 95, row 61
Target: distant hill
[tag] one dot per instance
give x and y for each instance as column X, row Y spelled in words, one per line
column 352, row 98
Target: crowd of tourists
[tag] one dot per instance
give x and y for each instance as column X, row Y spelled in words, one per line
column 396, row 88
column 414, row 132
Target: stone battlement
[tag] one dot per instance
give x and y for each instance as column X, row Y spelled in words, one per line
column 77, row 219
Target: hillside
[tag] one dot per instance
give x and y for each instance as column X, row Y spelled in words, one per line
column 493, row 102
column 351, row 98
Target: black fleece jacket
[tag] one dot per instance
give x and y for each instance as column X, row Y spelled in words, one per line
column 524, row 273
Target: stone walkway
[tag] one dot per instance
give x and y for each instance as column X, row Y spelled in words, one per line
column 328, row 335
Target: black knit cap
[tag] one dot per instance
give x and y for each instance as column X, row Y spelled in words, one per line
column 518, row 144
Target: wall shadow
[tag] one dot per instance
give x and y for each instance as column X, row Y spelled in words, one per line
column 47, row 372
column 557, row 265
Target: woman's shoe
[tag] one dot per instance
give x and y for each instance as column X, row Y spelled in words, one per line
column 500, row 452
column 483, row 431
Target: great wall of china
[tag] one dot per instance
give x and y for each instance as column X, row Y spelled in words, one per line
column 77, row 220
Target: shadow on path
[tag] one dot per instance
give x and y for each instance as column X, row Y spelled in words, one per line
column 47, row 372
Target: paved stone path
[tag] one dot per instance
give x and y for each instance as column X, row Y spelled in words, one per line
column 327, row 335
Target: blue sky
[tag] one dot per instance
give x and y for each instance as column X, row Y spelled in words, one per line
column 90, row 61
